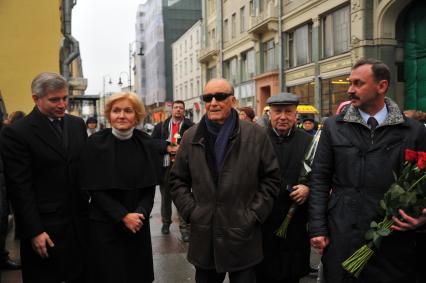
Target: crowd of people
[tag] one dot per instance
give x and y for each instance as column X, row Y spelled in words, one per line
column 82, row 204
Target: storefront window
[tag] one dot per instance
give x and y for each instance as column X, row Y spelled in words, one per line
column 306, row 92
column 334, row 92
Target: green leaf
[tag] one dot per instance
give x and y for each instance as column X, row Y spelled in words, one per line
column 373, row 224
column 377, row 240
column 383, row 232
column 408, row 199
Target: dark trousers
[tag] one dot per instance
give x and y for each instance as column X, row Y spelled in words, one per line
column 166, row 202
column 211, row 276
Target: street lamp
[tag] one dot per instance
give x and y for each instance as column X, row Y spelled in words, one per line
column 120, row 82
column 131, row 54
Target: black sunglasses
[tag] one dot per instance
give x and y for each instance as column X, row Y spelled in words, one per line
column 208, row 97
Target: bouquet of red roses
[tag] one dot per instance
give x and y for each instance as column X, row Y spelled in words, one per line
column 406, row 193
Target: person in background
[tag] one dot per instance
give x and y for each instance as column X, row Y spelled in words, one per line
column 308, row 124
column 246, row 113
column 5, row 261
column 286, row 259
column 264, row 120
column 358, row 154
column 118, row 170
column 13, row 117
column 91, row 124
column 223, row 182
column 168, row 135
column 41, row 155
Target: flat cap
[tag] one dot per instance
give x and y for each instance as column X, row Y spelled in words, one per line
column 283, row 98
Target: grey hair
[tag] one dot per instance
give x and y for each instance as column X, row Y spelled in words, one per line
column 47, row 82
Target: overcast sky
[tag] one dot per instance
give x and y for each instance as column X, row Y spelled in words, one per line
column 104, row 29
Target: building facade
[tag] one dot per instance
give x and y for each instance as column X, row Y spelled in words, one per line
column 36, row 37
column 308, row 47
column 162, row 23
column 187, row 72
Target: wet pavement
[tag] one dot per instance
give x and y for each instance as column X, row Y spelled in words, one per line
column 169, row 252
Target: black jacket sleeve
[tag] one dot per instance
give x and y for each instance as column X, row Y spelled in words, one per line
column 322, row 172
column 159, row 139
column 146, row 201
column 111, row 207
column 19, row 179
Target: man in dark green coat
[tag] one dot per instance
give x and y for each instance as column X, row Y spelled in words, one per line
column 286, row 259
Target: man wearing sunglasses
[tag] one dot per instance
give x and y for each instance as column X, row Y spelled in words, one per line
column 223, row 182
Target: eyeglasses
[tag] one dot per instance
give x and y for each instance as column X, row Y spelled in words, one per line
column 208, row 97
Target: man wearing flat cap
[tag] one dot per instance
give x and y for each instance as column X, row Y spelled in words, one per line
column 223, row 182
column 286, row 259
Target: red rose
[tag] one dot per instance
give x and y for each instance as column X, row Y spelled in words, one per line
column 421, row 162
column 411, row 155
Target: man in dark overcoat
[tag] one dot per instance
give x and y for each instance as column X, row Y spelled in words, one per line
column 40, row 154
column 223, row 182
column 168, row 135
column 358, row 153
column 286, row 259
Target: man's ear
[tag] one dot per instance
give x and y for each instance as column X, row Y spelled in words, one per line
column 382, row 86
column 35, row 98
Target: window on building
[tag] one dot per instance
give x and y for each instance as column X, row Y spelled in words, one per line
column 211, row 73
column 269, row 58
column 306, row 92
column 191, row 90
column 186, row 46
column 333, row 92
column 248, row 65
column 185, row 68
column 233, row 74
column 242, row 20
column 336, row 32
column 225, row 30
column 234, row 25
column 299, row 46
column 190, row 42
column 252, row 8
column 197, row 39
column 191, row 63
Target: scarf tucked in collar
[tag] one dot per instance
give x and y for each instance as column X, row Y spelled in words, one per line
column 222, row 133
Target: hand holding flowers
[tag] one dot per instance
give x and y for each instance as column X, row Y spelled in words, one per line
column 404, row 208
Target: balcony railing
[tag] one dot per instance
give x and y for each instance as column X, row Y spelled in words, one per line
column 207, row 53
column 267, row 20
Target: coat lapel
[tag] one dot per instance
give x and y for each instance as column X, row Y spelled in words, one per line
column 46, row 133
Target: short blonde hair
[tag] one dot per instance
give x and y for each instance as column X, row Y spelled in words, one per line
column 133, row 98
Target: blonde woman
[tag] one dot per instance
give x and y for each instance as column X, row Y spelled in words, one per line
column 117, row 172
